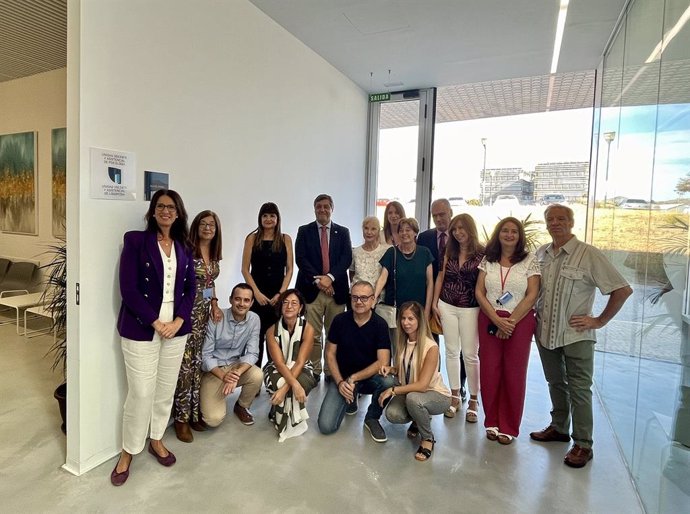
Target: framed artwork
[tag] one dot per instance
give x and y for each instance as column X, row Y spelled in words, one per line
column 18, row 207
column 59, row 167
column 154, row 181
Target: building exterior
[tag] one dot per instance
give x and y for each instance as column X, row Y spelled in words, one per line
column 570, row 179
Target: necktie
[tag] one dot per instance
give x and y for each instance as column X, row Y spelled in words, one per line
column 441, row 245
column 324, row 250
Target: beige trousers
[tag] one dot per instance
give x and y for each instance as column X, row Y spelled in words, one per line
column 320, row 314
column 214, row 404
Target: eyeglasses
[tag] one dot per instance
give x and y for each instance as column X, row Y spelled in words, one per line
column 362, row 299
column 291, row 303
column 163, row 207
column 211, row 226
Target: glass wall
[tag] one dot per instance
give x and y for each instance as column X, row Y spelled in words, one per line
column 640, row 209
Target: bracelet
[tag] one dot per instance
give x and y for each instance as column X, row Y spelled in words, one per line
column 340, row 382
column 393, row 390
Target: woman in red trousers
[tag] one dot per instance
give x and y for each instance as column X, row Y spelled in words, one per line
column 507, row 288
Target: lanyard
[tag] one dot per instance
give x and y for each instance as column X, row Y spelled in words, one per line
column 504, row 279
column 408, row 365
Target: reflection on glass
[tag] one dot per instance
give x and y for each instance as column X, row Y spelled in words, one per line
column 640, row 218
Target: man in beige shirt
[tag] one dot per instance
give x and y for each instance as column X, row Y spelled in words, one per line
column 571, row 272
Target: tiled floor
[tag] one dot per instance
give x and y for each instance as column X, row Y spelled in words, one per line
column 244, row 469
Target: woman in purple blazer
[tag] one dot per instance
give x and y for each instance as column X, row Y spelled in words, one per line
column 157, row 284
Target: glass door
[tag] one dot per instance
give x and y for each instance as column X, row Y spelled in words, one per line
column 401, row 137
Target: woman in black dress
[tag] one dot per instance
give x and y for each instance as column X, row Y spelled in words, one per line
column 267, row 267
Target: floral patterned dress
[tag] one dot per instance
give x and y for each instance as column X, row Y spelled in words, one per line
column 186, row 407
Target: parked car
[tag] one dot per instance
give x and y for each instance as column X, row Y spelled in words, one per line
column 382, row 202
column 553, row 198
column 457, row 201
column 635, row 203
column 506, row 201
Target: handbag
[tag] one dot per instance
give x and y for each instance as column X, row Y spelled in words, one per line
column 435, row 326
column 390, row 312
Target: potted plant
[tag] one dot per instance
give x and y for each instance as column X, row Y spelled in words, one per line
column 55, row 301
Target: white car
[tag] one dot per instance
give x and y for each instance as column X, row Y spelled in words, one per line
column 506, row 201
column 457, row 201
column 635, row 203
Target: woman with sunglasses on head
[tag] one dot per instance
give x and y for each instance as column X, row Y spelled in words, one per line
column 157, row 284
column 207, row 247
column 421, row 392
column 289, row 374
column 507, row 288
column 267, row 267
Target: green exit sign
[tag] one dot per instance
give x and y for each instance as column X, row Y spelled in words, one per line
column 379, row 97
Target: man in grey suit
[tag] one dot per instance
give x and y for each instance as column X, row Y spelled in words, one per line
column 435, row 239
column 323, row 253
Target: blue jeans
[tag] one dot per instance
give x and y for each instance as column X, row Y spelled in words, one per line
column 333, row 407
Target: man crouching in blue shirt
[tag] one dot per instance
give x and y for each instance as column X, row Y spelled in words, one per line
column 228, row 359
column 358, row 345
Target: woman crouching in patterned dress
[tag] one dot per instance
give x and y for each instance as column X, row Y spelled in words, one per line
column 206, row 241
column 289, row 374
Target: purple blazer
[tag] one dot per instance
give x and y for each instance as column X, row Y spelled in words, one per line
column 141, row 286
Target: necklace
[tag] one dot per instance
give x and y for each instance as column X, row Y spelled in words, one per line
column 164, row 242
column 411, row 256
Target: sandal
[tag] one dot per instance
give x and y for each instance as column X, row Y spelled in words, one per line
column 505, row 439
column 450, row 412
column 492, row 433
column 471, row 414
column 412, row 431
column 425, row 453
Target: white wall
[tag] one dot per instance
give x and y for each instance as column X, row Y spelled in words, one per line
column 237, row 110
column 34, row 104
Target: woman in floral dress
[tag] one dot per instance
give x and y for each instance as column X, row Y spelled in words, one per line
column 205, row 238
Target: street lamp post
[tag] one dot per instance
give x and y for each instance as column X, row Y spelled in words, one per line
column 608, row 137
column 483, row 188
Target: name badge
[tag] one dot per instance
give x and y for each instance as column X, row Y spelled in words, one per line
column 504, row 298
column 208, row 293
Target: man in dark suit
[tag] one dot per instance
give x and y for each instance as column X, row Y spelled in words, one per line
column 435, row 239
column 323, row 253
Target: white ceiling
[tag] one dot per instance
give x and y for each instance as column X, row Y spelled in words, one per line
column 446, row 42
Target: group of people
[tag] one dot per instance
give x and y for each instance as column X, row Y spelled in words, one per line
column 184, row 355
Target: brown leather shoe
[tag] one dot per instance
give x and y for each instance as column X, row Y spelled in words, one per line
column 549, row 434
column 183, row 432
column 578, row 457
column 243, row 414
column 199, row 426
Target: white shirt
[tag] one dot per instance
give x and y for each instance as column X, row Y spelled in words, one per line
column 169, row 271
column 514, row 278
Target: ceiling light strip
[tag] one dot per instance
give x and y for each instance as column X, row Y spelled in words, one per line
column 560, row 28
